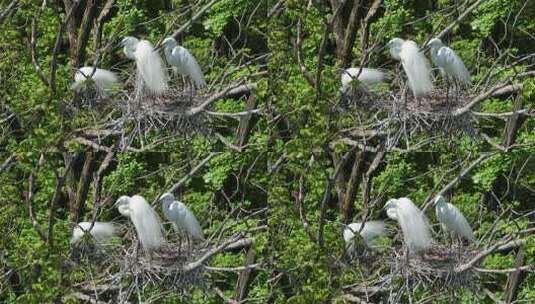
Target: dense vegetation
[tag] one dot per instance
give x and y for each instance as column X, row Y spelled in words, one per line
column 287, row 172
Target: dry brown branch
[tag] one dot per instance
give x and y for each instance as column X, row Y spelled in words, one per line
column 500, row 246
column 7, row 163
column 497, row 90
column 528, row 268
column 460, row 18
column 461, row 175
column 84, row 31
column 327, row 194
column 197, row 15
column 299, row 53
column 366, row 23
column 57, row 45
column 352, row 186
column 8, row 11
column 198, row 167
column 82, row 187
column 29, row 201
column 83, row 297
column 232, row 90
column 246, row 274
column 60, row 180
column 33, row 43
column 94, row 145
column 234, row 241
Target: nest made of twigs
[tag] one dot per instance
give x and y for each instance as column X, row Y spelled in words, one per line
column 131, row 268
column 139, row 118
column 434, row 113
column 435, row 268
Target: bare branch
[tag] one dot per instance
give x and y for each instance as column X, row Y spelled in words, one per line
column 232, row 90
column 234, row 241
column 199, row 14
column 193, row 171
column 8, row 11
column 29, row 198
column 33, row 43
column 497, row 90
column 7, row 163
column 501, row 246
column 459, row 177
column 460, row 18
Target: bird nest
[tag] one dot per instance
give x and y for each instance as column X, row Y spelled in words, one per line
column 398, row 276
column 436, row 268
column 137, row 118
column 398, row 115
column 119, row 271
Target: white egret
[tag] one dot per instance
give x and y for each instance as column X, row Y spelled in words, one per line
column 369, row 232
column 183, row 62
column 100, row 232
column 181, row 217
column 414, row 63
column 413, row 222
column 150, row 68
column 103, row 79
column 147, row 223
column 449, row 63
column 366, row 76
column 452, row 219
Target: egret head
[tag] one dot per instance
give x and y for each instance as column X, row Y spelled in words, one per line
column 433, row 45
column 123, row 200
column 395, row 42
column 439, row 200
column 395, row 47
column 435, row 42
column 169, row 43
column 129, row 41
column 391, row 207
column 167, row 199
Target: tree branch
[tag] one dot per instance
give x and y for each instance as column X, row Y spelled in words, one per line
column 497, row 90
column 192, row 172
column 232, row 90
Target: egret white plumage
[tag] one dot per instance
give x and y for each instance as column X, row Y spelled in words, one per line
column 183, row 62
column 452, row 219
column 413, row 223
column 101, row 232
column 449, row 63
column 181, row 217
column 149, row 66
column 103, row 79
column 369, row 232
column 366, row 76
column 147, row 223
column 414, row 63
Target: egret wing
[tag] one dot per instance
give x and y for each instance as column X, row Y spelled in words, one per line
column 459, row 224
column 192, row 225
column 192, row 67
column 455, row 66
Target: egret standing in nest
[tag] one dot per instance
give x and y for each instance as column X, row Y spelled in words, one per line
column 181, row 217
column 147, row 223
column 452, row 219
column 365, row 76
column 103, row 80
column 413, row 223
column 101, row 232
column 451, row 66
column 150, row 68
column 183, row 62
column 414, row 64
column 370, row 231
